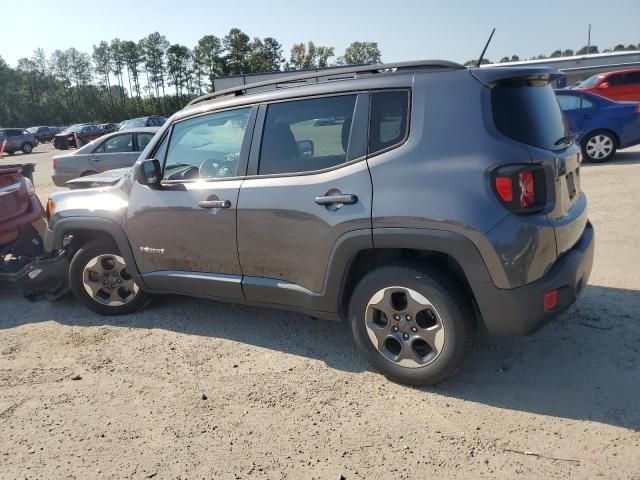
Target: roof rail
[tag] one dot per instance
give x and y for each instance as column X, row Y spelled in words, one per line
column 338, row 72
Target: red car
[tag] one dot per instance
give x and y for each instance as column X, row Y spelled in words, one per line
column 620, row 85
column 20, row 208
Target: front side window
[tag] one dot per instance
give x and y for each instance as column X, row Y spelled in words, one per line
column 306, row 135
column 205, row 147
column 591, row 81
column 117, row 144
column 615, row 80
column 389, row 120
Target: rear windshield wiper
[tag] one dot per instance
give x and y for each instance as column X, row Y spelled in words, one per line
column 567, row 139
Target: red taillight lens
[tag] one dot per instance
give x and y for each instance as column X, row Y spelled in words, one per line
column 551, row 300
column 637, row 109
column 527, row 189
column 504, row 187
column 520, row 188
column 54, row 164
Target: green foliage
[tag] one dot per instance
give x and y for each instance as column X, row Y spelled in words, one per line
column 361, row 53
column 309, row 56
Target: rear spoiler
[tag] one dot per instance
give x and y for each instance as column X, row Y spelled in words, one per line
column 490, row 76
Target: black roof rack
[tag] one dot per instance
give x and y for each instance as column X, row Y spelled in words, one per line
column 338, row 73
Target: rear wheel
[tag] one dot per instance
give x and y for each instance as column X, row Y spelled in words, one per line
column 414, row 326
column 27, row 147
column 599, row 146
column 100, row 280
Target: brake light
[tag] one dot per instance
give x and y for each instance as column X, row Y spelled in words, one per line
column 54, row 164
column 637, row 109
column 520, row 188
column 504, row 187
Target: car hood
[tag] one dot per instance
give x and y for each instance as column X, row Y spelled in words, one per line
column 109, row 177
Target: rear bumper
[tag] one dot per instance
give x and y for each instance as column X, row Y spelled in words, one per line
column 520, row 311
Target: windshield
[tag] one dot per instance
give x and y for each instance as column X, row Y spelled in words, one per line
column 32, row 129
column 136, row 122
column 591, row 81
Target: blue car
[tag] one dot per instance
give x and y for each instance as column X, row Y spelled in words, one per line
column 602, row 125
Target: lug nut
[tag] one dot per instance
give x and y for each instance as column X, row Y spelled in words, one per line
column 408, row 317
column 396, row 317
column 414, row 329
column 405, row 336
column 394, row 329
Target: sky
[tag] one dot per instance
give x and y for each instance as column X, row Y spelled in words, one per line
column 405, row 30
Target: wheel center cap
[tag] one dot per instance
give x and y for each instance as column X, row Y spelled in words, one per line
column 405, row 325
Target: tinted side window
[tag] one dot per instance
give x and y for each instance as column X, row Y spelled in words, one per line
column 615, row 80
column 389, row 120
column 632, row 78
column 306, row 135
column 207, row 146
column 569, row 102
column 528, row 113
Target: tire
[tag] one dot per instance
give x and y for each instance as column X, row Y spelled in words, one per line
column 449, row 323
column 11, row 152
column 87, row 273
column 27, row 148
column 599, row 146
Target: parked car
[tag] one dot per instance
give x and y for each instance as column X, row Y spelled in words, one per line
column 44, row 134
column 20, row 209
column 114, row 150
column 17, row 139
column 602, row 125
column 151, row 121
column 445, row 198
column 108, row 127
column 85, row 132
column 617, row 85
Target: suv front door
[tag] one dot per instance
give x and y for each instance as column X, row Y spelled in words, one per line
column 308, row 186
column 183, row 235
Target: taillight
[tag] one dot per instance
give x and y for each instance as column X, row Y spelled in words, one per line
column 520, row 188
column 54, row 164
column 637, row 109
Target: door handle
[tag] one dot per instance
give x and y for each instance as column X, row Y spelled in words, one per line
column 345, row 199
column 214, row 204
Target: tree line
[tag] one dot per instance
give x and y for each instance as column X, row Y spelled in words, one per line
column 123, row 78
column 586, row 50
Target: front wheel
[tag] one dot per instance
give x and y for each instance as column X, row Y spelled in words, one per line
column 413, row 326
column 599, row 146
column 100, row 280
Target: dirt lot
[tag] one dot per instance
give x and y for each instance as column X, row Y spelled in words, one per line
column 196, row 389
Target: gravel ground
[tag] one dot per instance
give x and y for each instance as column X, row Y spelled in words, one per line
column 196, row 389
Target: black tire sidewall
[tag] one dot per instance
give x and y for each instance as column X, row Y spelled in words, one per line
column 454, row 310
column 25, row 147
column 76, row 269
column 586, row 139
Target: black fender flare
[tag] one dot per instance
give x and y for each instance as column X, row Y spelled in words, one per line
column 53, row 238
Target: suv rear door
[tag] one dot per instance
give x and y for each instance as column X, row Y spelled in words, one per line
column 308, row 186
column 183, row 235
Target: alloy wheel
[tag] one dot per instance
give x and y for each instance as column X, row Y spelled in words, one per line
column 599, row 147
column 404, row 326
column 106, row 280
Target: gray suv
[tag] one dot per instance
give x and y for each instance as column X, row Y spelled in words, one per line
column 17, row 139
column 414, row 200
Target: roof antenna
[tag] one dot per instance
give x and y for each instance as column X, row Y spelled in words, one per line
column 485, row 48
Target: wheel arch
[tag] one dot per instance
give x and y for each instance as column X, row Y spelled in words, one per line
column 81, row 230
column 447, row 251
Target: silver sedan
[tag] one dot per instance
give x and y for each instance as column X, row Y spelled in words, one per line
column 116, row 150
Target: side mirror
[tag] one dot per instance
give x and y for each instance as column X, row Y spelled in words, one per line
column 306, row 148
column 604, row 85
column 149, row 173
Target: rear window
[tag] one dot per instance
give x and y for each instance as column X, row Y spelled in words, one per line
column 529, row 113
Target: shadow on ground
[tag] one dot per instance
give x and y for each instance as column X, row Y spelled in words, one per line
column 584, row 366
